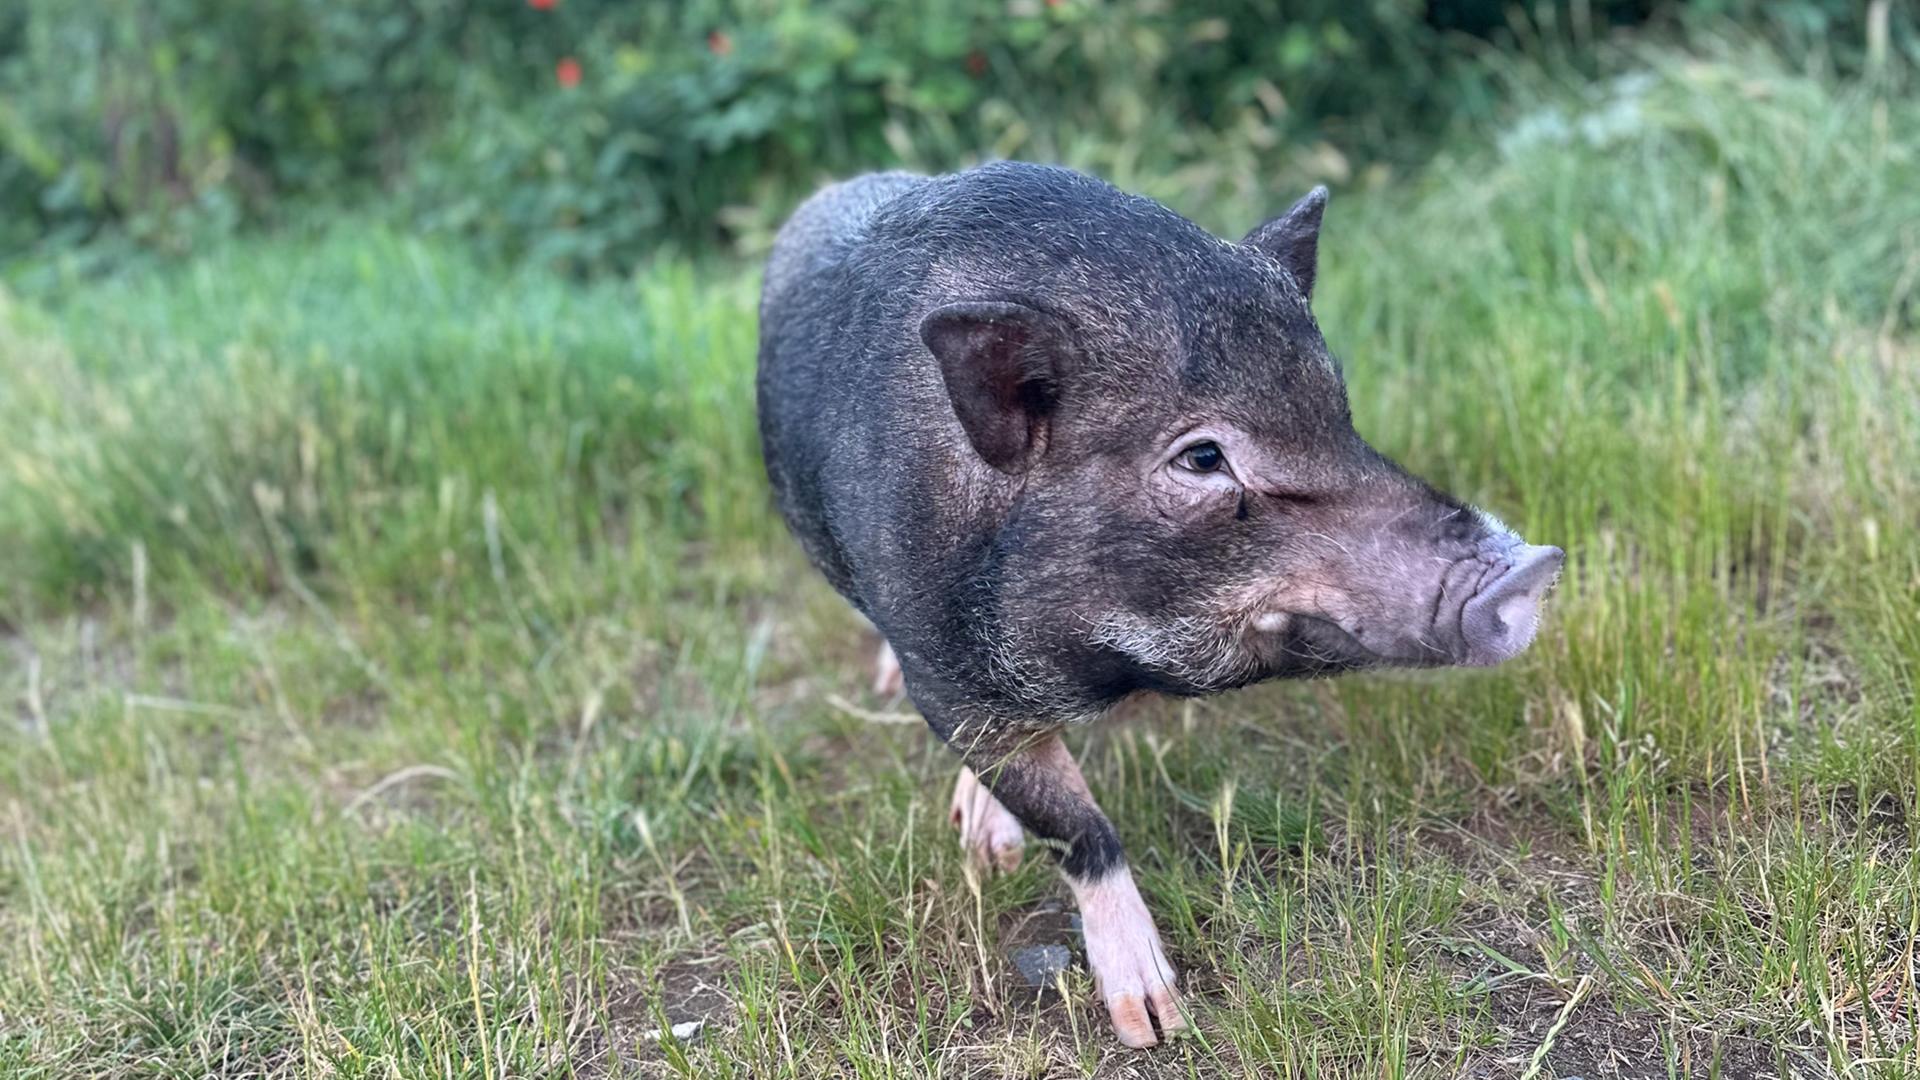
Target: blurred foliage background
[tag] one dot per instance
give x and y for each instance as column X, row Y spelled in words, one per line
column 588, row 133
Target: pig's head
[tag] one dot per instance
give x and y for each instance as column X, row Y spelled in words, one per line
column 1195, row 510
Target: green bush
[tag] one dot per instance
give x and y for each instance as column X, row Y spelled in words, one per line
column 703, row 120
column 129, row 112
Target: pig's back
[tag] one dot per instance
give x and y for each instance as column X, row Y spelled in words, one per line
column 815, row 400
column 825, row 228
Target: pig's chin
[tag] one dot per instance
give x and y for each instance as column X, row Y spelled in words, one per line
column 1296, row 645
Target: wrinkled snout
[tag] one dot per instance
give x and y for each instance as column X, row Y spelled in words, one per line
column 1499, row 621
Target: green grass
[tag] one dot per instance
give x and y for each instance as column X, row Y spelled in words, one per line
column 404, row 674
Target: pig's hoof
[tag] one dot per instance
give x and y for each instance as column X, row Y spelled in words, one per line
column 887, row 681
column 1146, row 994
column 990, row 834
column 1131, row 972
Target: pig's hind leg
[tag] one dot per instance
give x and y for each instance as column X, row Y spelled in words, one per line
column 1040, row 785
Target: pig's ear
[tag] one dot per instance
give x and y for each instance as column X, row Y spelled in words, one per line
column 1000, row 362
column 1294, row 238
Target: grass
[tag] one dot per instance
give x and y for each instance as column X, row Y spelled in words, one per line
column 405, row 674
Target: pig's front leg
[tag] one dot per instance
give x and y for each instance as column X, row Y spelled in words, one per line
column 1039, row 783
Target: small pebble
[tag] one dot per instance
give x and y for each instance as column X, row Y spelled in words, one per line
column 685, row 1032
column 1040, row 965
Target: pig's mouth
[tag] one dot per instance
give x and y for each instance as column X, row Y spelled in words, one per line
column 1294, row 641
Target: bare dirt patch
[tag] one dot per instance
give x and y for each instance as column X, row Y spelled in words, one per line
column 633, row 1022
column 1598, row 1039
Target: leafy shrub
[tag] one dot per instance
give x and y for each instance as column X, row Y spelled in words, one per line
column 587, row 132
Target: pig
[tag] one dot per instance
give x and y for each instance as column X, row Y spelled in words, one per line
column 1060, row 445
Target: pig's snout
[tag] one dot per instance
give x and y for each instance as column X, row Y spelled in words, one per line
column 1499, row 621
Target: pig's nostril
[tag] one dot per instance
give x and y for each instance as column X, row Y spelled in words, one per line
column 1499, row 623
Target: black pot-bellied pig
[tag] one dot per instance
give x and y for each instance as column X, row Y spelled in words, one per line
column 1060, row 445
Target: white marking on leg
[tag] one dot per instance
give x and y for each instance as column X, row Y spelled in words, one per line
column 1131, row 972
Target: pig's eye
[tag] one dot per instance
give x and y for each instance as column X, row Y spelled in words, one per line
column 1202, row 457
